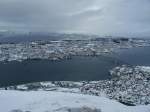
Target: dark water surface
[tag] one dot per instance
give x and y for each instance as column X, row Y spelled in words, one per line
column 135, row 56
column 76, row 69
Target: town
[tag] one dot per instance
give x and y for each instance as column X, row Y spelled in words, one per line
column 66, row 48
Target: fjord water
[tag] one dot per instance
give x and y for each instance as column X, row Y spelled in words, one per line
column 78, row 68
column 135, row 56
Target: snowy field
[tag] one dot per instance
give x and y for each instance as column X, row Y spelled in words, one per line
column 48, row 101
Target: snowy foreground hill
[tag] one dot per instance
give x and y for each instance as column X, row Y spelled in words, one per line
column 50, row 101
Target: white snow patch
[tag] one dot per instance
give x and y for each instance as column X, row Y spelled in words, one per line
column 145, row 68
column 48, row 101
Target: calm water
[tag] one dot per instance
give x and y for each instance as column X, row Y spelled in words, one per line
column 135, row 56
column 76, row 69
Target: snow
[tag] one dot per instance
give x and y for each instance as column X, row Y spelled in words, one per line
column 49, row 101
column 145, row 68
column 64, row 49
column 129, row 85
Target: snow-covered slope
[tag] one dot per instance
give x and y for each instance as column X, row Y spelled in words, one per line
column 48, row 101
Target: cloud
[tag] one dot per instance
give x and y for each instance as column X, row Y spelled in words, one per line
column 104, row 17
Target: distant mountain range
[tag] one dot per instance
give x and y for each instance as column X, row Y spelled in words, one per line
column 13, row 37
column 27, row 37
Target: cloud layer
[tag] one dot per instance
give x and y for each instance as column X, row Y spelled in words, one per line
column 104, row 17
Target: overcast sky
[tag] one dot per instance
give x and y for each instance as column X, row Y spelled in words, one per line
column 104, row 17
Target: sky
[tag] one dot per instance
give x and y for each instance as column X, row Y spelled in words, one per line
column 103, row 17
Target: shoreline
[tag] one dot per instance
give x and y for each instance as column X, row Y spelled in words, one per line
column 127, row 85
